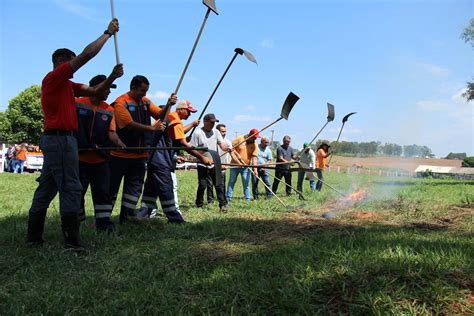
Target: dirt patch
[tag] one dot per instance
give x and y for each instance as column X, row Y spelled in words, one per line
column 363, row 215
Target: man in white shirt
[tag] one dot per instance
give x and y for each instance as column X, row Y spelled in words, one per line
column 209, row 137
column 307, row 159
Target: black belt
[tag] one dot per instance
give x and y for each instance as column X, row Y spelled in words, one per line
column 58, row 132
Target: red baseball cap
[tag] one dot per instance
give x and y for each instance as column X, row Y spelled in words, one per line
column 185, row 104
column 254, row 131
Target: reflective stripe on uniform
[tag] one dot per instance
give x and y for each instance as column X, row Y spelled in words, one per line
column 103, row 207
column 130, row 197
column 149, row 199
column 102, row 215
column 129, row 205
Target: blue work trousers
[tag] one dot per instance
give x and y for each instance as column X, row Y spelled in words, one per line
column 60, row 173
column 263, row 174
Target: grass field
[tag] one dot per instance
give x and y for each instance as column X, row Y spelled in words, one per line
column 407, row 248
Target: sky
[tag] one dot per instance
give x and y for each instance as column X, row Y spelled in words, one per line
column 400, row 64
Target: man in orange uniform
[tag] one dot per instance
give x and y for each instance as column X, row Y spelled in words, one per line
column 321, row 155
column 133, row 113
column 96, row 129
column 162, row 164
column 244, row 154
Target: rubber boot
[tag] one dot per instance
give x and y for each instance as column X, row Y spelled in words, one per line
column 104, row 225
column 34, row 235
column 70, row 225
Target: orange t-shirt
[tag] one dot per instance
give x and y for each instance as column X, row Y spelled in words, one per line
column 321, row 159
column 245, row 150
column 21, row 155
column 93, row 157
column 175, row 127
column 123, row 119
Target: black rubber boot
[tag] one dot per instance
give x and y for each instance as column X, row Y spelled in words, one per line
column 104, row 225
column 34, row 235
column 70, row 225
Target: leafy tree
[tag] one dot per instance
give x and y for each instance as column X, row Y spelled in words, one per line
column 457, row 156
column 468, row 37
column 469, row 94
column 468, row 33
column 468, row 162
column 391, row 149
column 425, row 151
column 22, row 122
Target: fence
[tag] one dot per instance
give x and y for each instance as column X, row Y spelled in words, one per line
column 379, row 172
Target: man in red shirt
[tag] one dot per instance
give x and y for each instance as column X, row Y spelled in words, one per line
column 60, row 171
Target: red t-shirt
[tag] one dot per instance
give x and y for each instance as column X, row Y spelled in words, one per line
column 57, row 99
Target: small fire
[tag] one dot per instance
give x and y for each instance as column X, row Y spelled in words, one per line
column 356, row 196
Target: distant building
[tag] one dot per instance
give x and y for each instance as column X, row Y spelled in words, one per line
column 441, row 172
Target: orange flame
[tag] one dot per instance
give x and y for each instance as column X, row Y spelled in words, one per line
column 356, row 196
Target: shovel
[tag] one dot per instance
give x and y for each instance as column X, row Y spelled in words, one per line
column 211, row 6
column 117, row 55
column 290, row 102
column 344, row 120
column 238, row 51
column 330, row 118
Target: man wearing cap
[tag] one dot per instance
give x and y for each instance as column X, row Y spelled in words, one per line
column 209, row 137
column 264, row 158
column 285, row 153
column 162, row 163
column 133, row 112
column 307, row 160
column 322, row 154
column 96, row 129
column 245, row 152
column 60, row 171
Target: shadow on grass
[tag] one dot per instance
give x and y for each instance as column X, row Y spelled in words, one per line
column 238, row 264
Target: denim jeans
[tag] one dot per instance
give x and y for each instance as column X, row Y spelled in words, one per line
column 234, row 173
column 263, row 174
column 20, row 166
column 299, row 185
column 319, row 185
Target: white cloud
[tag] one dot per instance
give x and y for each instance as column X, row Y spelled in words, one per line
column 249, row 107
column 160, row 95
column 455, row 106
column 267, row 43
column 434, row 70
column 250, row 118
column 77, row 9
column 432, row 106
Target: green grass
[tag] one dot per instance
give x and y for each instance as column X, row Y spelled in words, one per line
column 412, row 254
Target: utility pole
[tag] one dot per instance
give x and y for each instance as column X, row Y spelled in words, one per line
column 272, row 135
